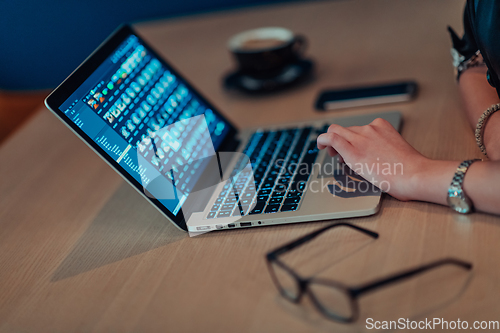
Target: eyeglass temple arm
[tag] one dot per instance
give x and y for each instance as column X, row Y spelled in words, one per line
column 407, row 274
column 307, row 238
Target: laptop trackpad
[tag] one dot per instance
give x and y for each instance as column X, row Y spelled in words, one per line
column 344, row 181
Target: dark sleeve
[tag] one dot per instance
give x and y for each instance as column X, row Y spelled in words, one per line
column 486, row 26
column 466, row 45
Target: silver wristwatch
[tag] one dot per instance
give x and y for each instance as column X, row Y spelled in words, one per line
column 457, row 199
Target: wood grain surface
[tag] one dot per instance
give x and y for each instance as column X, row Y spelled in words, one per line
column 81, row 251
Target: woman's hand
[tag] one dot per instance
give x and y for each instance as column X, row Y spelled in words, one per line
column 378, row 153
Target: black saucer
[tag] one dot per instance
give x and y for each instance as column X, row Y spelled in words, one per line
column 288, row 76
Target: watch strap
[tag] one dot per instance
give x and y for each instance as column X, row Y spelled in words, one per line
column 456, row 186
column 458, row 177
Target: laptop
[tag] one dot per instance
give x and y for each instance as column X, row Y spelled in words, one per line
column 189, row 161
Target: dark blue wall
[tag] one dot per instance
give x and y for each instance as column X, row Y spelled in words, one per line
column 42, row 42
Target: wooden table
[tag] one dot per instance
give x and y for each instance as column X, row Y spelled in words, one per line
column 80, row 251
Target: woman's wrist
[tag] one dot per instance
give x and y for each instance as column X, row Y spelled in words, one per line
column 432, row 180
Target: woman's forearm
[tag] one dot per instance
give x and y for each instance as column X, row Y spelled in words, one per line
column 478, row 95
column 432, row 182
column 419, row 178
column 481, row 183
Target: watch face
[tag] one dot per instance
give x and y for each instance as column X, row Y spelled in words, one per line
column 459, row 204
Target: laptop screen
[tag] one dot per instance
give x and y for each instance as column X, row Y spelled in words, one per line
column 148, row 120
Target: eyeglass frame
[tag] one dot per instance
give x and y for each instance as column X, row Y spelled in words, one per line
column 352, row 293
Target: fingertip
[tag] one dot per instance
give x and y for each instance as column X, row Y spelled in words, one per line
column 380, row 122
column 322, row 139
column 319, row 144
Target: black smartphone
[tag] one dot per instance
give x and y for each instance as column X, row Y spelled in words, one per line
column 367, row 95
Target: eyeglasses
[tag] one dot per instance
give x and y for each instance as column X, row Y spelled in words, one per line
column 333, row 299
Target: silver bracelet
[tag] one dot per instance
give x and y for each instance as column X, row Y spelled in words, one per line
column 461, row 64
column 481, row 123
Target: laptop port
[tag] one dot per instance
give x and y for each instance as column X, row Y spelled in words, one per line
column 203, row 228
column 231, row 225
column 219, row 226
column 245, row 224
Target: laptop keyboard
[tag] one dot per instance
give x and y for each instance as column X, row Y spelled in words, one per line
column 282, row 161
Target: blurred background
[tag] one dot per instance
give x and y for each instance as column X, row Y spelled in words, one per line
column 42, row 42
